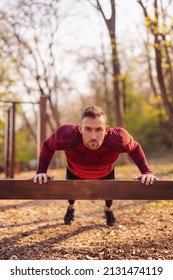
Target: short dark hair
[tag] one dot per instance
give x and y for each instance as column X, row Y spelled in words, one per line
column 93, row 112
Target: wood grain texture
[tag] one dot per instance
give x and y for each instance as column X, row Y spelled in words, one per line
column 86, row 190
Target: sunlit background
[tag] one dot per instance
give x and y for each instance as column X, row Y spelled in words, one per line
column 62, row 50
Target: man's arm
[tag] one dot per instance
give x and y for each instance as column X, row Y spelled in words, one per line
column 47, row 151
column 45, row 157
column 44, row 160
column 139, row 159
column 135, row 151
column 63, row 138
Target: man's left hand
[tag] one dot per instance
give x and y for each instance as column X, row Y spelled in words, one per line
column 148, row 179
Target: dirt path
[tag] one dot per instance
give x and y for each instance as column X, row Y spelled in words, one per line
column 35, row 230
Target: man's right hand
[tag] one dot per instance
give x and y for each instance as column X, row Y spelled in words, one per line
column 42, row 177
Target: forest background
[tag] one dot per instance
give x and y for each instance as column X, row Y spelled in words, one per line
column 112, row 53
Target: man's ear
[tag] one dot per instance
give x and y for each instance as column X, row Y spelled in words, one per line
column 107, row 128
column 80, row 128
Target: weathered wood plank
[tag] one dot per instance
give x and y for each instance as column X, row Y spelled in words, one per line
column 86, row 190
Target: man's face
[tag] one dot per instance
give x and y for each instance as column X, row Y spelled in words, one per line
column 93, row 131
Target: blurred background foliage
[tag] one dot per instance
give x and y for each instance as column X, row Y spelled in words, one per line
column 78, row 53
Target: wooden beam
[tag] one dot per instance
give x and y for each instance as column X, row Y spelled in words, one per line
column 86, row 190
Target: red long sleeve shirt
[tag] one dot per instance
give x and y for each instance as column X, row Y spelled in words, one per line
column 91, row 164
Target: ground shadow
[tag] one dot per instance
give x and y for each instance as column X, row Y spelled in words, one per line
column 8, row 245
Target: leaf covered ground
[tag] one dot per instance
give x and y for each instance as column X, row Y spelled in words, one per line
column 34, row 229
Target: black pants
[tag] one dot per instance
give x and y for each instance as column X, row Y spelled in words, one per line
column 71, row 176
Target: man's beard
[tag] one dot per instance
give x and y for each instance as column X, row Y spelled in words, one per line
column 93, row 145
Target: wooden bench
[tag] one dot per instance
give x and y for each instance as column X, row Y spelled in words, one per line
column 86, row 190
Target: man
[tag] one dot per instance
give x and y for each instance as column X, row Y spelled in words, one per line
column 91, row 150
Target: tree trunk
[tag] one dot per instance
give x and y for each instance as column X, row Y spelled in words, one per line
column 159, row 44
column 110, row 23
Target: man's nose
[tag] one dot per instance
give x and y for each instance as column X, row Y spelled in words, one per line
column 93, row 135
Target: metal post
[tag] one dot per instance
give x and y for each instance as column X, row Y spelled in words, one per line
column 7, row 137
column 12, row 139
column 42, row 119
column 10, row 142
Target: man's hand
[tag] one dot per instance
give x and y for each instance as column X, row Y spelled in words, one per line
column 147, row 179
column 42, row 177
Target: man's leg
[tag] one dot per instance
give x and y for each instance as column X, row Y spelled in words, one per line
column 69, row 216
column 110, row 219
column 108, row 204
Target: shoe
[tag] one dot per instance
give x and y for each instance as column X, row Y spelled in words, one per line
column 110, row 219
column 69, row 216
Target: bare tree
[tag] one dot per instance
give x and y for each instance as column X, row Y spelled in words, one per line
column 31, row 43
column 159, row 29
column 117, row 80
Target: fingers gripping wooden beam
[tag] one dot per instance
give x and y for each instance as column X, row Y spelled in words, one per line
column 86, row 190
